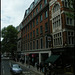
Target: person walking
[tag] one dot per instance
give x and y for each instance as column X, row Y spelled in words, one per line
column 37, row 65
column 41, row 66
column 45, row 70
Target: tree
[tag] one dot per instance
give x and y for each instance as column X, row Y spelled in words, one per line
column 9, row 42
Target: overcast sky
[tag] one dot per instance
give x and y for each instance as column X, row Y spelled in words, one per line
column 12, row 11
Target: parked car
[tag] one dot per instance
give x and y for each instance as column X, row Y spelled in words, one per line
column 16, row 69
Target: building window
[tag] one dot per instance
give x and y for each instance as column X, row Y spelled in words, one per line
column 28, row 46
column 28, row 19
column 24, row 46
column 24, row 38
column 41, row 42
column 36, row 10
column 36, row 44
column 30, row 16
column 69, row 21
column 70, row 37
column 33, row 13
column 37, row 31
column 68, row 3
column 46, row 14
column 46, row 26
column 56, row 8
column 24, row 31
column 31, row 35
column 46, row 43
column 41, row 29
column 36, row 21
column 34, row 33
column 56, row 21
column 26, row 28
column 33, row 44
column 30, row 26
column 57, row 38
column 45, row 1
column 28, row 36
column 33, row 23
column 41, row 18
column 40, row 6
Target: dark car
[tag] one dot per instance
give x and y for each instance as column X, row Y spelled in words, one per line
column 16, row 69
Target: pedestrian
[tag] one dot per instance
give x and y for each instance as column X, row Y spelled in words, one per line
column 41, row 67
column 45, row 70
column 37, row 66
column 49, row 69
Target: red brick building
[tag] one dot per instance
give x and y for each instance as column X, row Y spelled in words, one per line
column 61, row 14
column 47, row 28
column 36, row 28
column 61, row 23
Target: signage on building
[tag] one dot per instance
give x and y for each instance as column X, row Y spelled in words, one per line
column 49, row 38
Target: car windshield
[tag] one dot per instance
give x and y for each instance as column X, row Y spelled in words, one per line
column 16, row 66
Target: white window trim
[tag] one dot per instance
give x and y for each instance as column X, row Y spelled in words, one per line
column 69, row 21
column 57, row 37
column 71, row 37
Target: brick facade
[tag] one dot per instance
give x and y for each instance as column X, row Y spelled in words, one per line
column 64, row 27
column 54, row 20
column 27, row 22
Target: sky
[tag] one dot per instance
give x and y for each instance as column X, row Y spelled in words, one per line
column 12, row 11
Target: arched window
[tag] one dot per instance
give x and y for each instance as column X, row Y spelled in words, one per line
column 56, row 7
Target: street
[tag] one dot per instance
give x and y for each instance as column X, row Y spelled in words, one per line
column 5, row 68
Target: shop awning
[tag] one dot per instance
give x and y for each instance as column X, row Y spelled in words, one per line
column 52, row 59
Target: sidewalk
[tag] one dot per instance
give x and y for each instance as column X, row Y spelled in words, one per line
column 31, row 68
column 34, row 69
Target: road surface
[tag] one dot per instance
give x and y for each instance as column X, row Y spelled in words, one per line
column 5, row 68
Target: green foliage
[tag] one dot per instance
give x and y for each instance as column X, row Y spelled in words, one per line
column 9, row 42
